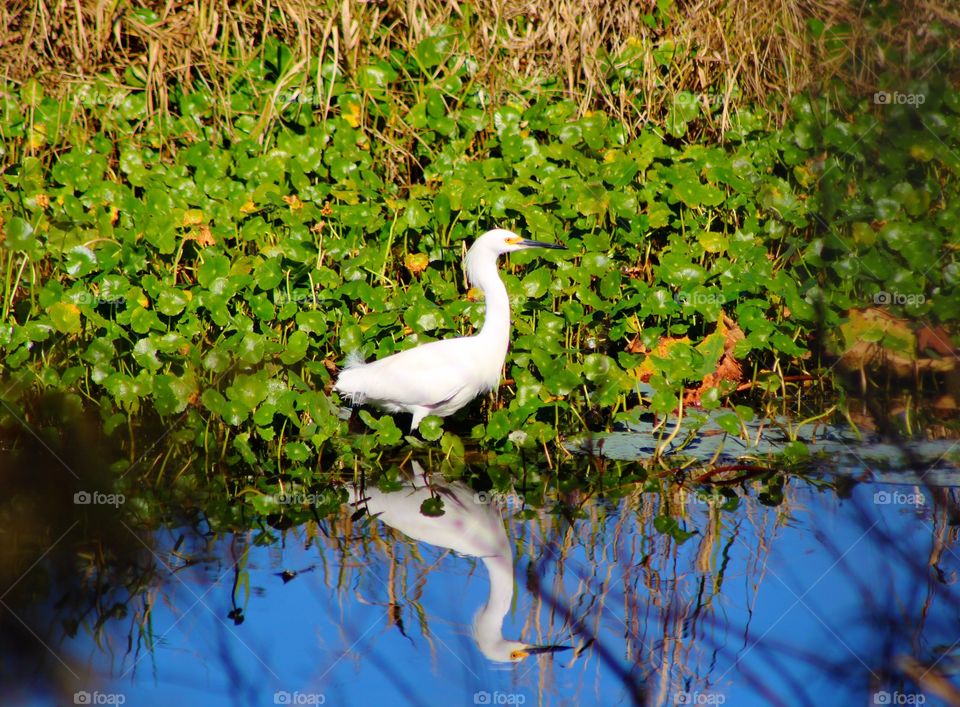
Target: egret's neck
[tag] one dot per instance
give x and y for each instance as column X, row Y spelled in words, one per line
column 496, row 322
column 488, row 624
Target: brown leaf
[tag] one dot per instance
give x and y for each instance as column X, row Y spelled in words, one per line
column 204, row 236
column 936, row 339
column 728, row 369
column 732, row 333
column 636, row 345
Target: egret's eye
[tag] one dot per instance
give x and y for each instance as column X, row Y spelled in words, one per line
column 512, row 240
column 518, row 655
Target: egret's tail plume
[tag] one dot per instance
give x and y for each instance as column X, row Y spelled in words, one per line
column 354, row 359
column 346, row 384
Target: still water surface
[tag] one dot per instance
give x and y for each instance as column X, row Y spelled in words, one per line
column 826, row 599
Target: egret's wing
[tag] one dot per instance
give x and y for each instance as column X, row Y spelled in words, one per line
column 424, row 376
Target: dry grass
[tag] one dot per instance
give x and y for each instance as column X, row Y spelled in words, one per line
column 732, row 51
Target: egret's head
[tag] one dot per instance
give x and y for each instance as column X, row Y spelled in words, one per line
column 500, row 241
column 492, row 244
column 515, row 651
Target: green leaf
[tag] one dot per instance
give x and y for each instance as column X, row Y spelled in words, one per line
column 729, row 422
column 18, row 234
column 432, row 507
column 452, row 446
column 312, row 322
column 65, row 317
column 172, row 394
column 297, row 451
column 248, row 390
column 145, row 353
column 685, row 108
column 434, row 50
column 268, row 274
column 670, row 526
column 296, row 347
column 431, row 428
column 173, row 301
column 374, row 77
column 213, row 267
column 80, row 261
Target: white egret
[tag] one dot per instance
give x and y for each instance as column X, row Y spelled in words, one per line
column 468, row 526
column 440, row 377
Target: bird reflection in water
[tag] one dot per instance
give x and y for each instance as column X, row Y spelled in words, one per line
column 468, row 527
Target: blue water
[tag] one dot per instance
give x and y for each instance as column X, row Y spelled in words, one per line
column 806, row 603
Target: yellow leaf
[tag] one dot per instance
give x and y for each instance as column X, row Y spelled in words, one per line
column 38, row 137
column 416, row 263
column 352, row 114
column 192, row 217
column 712, row 242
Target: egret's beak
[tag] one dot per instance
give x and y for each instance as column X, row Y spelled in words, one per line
column 538, row 650
column 527, row 243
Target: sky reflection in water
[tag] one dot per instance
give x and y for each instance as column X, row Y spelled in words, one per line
column 799, row 604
